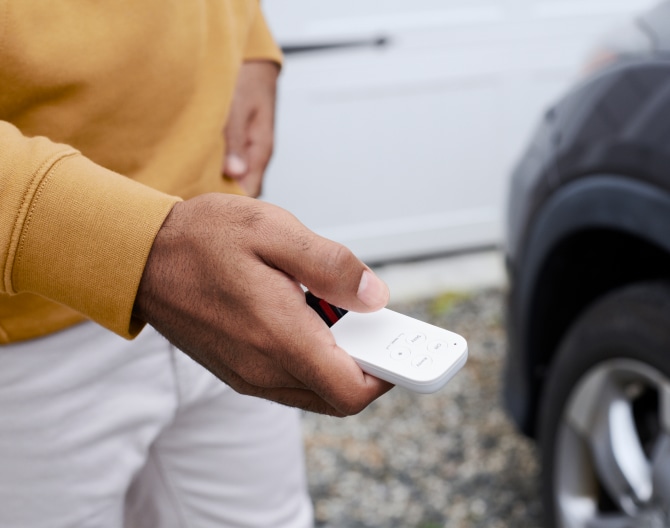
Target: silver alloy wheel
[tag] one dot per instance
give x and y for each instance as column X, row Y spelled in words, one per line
column 610, row 470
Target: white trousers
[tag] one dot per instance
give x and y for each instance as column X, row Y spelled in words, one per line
column 100, row 432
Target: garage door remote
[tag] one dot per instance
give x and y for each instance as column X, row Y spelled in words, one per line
column 394, row 347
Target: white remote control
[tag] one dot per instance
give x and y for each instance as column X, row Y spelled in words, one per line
column 394, row 347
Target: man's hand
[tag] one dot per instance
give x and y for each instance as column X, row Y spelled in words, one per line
column 223, row 284
column 249, row 132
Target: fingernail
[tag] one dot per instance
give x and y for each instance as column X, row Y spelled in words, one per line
column 235, row 165
column 372, row 291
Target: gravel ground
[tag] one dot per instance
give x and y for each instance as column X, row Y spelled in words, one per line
column 450, row 459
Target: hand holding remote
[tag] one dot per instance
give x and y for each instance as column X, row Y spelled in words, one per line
column 223, row 284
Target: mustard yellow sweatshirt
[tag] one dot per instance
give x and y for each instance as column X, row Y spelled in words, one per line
column 109, row 111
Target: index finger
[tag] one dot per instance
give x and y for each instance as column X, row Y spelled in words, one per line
column 328, row 370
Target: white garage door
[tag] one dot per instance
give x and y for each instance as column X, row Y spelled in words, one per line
column 399, row 120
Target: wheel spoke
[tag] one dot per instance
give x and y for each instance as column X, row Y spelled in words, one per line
column 660, row 457
column 589, row 395
column 664, row 402
column 661, row 470
column 615, row 437
column 618, row 454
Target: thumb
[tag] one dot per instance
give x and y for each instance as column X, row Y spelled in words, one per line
column 366, row 293
column 332, row 272
column 234, row 166
column 372, row 291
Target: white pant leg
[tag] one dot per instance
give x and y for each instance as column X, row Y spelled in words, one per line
column 78, row 412
column 226, row 461
column 84, row 413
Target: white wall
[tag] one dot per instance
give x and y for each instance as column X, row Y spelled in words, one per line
column 405, row 149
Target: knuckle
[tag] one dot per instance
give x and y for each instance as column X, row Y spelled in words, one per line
column 268, row 143
column 243, row 389
column 261, row 379
column 352, row 405
column 260, row 373
column 338, row 260
column 239, row 385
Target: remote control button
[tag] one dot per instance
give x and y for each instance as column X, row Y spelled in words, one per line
column 415, row 338
column 396, row 340
column 437, row 346
column 401, row 353
column 422, row 361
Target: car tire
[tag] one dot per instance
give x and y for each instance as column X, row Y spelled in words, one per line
column 604, row 424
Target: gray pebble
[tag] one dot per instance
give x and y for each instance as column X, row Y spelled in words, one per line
column 451, row 459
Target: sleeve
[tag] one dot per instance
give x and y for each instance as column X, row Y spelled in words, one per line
column 72, row 231
column 260, row 43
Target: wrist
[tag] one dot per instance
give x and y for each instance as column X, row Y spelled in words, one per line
column 165, row 245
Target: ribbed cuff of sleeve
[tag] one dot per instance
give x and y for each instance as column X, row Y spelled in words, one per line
column 85, row 241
